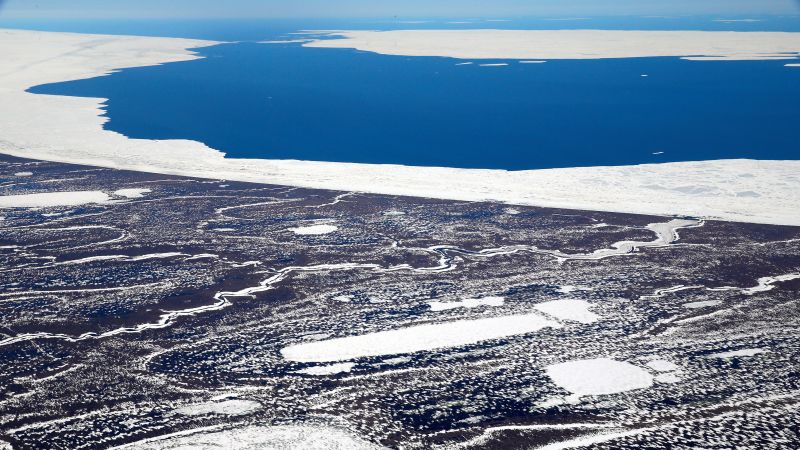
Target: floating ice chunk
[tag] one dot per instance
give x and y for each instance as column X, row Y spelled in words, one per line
column 284, row 437
column 598, row 376
column 332, row 369
column 131, row 193
column 793, row 65
column 23, row 174
column 46, row 199
column 467, row 303
column 417, row 338
column 703, row 304
column 662, row 365
column 532, row 62
column 314, row 229
column 494, row 65
column 464, row 64
column 738, row 353
column 226, row 408
column 575, row 310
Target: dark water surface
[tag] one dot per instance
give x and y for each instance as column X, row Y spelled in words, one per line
column 285, row 101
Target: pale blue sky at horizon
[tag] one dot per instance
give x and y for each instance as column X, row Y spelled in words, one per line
column 92, row 9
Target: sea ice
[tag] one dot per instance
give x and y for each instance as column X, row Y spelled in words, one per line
column 575, row 310
column 598, row 376
column 47, row 199
column 417, row 338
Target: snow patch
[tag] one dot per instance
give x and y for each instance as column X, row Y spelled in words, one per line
column 467, row 303
column 574, row 310
column 703, row 304
column 23, row 174
column 48, row 199
column 314, row 230
column 662, row 365
column 417, row 338
column 225, row 408
column 332, row 369
column 600, row 376
column 131, row 193
column 738, row 353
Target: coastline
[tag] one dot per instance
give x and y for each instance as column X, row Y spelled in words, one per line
column 70, row 130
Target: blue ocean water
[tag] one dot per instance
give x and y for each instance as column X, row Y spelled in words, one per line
column 285, row 101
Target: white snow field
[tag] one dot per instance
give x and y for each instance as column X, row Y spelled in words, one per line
column 417, row 338
column 47, row 199
column 569, row 44
column 574, row 310
column 466, row 303
column 314, row 230
column 254, row 437
column 131, row 193
column 598, row 376
column 70, row 130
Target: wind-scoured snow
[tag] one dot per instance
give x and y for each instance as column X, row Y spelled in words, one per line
column 131, row 193
column 49, row 199
column 417, row 338
column 70, row 130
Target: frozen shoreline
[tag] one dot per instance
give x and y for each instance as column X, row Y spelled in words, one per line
column 70, row 130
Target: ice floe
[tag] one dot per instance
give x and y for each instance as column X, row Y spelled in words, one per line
column 314, row 230
column 574, row 310
column 70, row 130
column 738, row 353
column 467, row 303
column 598, row 377
column 227, row 408
column 417, row 338
column 131, row 193
column 567, row 44
column 332, row 369
column 254, row 437
column 48, row 199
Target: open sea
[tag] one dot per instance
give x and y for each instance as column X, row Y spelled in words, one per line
column 285, row 101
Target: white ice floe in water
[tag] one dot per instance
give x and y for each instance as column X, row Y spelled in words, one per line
column 662, row 365
column 225, row 408
column 738, row 353
column 702, row 304
column 23, row 174
column 532, row 62
column 254, row 437
column 70, row 130
column 567, row 44
column 792, row 65
column 314, row 230
column 494, row 65
column 131, row 193
column 574, row 310
column 467, row 303
column 417, row 338
column 332, row 369
column 600, row 376
column 47, row 199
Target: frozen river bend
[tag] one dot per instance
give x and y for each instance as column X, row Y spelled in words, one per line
column 157, row 312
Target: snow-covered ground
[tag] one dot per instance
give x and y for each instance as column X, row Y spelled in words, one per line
column 284, row 437
column 314, row 229
column 47, row 199
column 598, row 376
column 70, row 129
column 227, row 408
